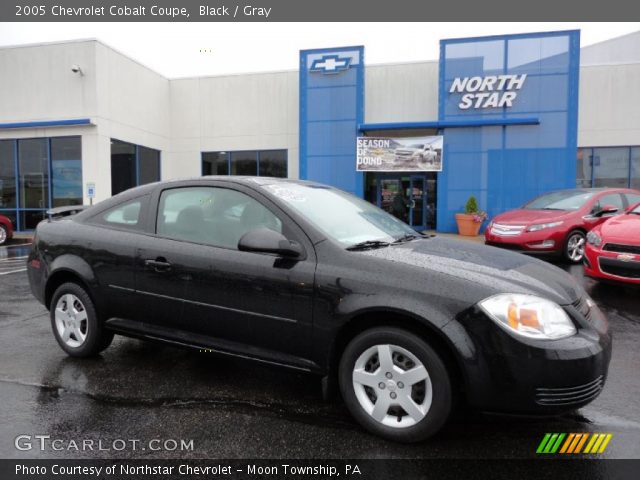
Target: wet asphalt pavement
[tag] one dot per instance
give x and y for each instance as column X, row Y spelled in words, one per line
column 238, row 409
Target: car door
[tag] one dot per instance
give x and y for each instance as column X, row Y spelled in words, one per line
column 109, row 247
column 613, row 199
column 245, row 300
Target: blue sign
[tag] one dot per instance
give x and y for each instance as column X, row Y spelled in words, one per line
column 492, row 83
column 331, row 108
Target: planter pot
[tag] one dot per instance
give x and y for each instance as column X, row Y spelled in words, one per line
column 467, row 226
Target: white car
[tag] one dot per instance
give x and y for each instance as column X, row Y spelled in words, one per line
column 420, row 152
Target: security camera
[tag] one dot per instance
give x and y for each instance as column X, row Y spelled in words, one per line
column 77, row 69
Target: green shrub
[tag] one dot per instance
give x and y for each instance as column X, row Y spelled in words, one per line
column 471, row 206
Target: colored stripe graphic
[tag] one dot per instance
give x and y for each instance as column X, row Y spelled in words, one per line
column 574, row 443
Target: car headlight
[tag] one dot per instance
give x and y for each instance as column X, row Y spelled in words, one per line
column 542, row 226
column 529, row 316
column 594, row 239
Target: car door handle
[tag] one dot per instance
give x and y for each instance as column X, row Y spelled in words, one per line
column 159, row 264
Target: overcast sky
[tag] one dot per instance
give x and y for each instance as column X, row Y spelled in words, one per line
column 193, row 49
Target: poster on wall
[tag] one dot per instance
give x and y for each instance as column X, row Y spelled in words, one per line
column 401, row 154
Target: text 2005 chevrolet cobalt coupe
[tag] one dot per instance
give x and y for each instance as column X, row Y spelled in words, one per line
column 307, row 276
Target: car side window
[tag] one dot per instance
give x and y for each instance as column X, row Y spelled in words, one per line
column 632, row 198
column 211, row 215
column 125, row 215
column 614, row 199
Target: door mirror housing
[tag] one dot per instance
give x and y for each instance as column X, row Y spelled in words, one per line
column 264, row 240
column 607, row 210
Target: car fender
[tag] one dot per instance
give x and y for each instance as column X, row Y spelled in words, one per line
column 73, row 264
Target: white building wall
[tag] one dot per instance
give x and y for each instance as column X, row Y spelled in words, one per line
column 234, row 112
column 609, row 106
column 401, row 93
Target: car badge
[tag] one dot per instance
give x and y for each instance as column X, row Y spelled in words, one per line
column 625, row 257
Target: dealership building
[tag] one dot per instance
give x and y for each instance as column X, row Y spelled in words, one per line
column 519, row 115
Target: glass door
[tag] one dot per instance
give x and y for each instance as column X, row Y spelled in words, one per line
column 416, row 196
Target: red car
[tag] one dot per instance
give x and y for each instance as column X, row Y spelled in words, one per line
column 558, row 222
column 613, row 248
column 6, row 229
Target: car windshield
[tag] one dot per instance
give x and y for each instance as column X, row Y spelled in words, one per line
column 417, row 145
column 565, row 200
column 343, row 217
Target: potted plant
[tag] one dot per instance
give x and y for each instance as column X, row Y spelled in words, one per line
column 470, row 221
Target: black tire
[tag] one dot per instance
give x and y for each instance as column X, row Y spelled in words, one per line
column 442, row 395
column 4, row 235
column 567, row 251
column 97, row 337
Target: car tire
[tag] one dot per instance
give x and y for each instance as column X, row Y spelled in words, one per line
column 75, row 323
column 4, row 235
column 574, row 245
column 411, row 412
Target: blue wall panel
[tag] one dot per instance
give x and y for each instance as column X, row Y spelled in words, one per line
column 504, row 166
column 331, row 108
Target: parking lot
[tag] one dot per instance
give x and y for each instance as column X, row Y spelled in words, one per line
column 237, row 409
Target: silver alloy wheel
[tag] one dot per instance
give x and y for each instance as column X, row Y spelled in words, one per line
column 392, row 386
column 575, row 247
column 3, row 235
column 71, row 320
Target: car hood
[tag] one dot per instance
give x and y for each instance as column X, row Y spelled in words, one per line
column 622, row 229
column 487, row 270
column 523, row 216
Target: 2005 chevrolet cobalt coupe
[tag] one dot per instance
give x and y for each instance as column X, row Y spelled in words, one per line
column 307, row 276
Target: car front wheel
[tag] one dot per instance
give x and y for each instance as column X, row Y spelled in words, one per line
column 574, row 246
column 3, row 234
column 395, row 385
column 75, row 322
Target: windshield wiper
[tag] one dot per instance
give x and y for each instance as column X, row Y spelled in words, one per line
column 551, row 208
column 367, row 244
column 406, row 238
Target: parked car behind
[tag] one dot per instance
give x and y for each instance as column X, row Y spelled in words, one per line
column 6, row 229
column 557, row 222
column 303, row 275
column 613, row 248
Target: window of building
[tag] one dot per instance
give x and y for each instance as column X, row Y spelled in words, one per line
column 66, row 171
column 266, row 163
column 37, row 174
column 614, row 167
column 132, row 165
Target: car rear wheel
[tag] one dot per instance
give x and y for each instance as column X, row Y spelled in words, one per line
column 395, row 385
column 3, row 234
column 75, row 322
column 574, row 246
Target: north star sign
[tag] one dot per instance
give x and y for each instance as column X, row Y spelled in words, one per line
column 492, row 91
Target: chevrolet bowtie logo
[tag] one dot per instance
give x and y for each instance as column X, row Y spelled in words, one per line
column 330, row 64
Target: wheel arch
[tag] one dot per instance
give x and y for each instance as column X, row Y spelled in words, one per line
column 70, row 269
column 424, row 329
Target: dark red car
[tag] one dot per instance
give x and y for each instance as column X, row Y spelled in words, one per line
column 6, row 229
column 558, row 222
column 613, row 248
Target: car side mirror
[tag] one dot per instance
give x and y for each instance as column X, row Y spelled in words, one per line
column 607, row 210
column 264, row 240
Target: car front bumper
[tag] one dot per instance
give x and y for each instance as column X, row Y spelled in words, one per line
column 506, row 374
column 613, row 266
column 547, row 241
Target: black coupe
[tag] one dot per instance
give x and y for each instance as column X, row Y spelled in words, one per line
column 306, row 276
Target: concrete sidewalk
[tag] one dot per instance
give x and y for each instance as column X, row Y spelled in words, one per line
column 477, row 238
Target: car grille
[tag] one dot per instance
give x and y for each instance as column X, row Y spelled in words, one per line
column 619, row 268
column 617, row 247
column 506, row 230
column 569, row 395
